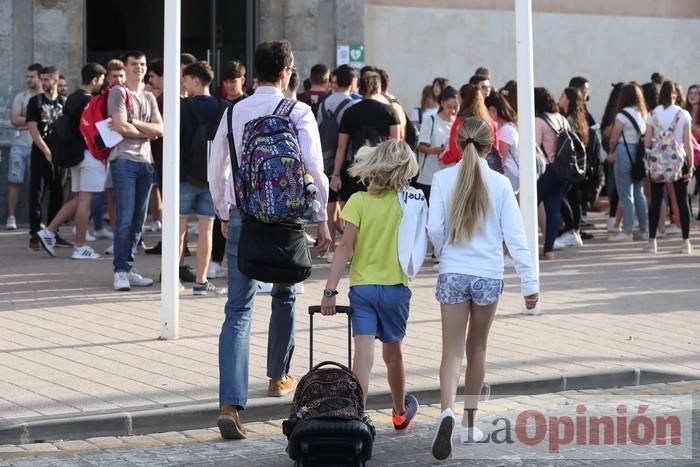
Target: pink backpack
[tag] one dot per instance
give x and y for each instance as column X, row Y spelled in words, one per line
column 667, row 155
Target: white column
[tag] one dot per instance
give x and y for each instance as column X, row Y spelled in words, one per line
column 526, row 124
column 169, row 303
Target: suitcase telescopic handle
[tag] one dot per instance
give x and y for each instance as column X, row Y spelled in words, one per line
column 339, row 309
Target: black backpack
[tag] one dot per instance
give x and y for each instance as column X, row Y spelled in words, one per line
column 570, row 159
column 195, row 155
column 64, row 141
column 329, row 129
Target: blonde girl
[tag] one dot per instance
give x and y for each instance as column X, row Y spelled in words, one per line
column 379, row 293
column 471, row 210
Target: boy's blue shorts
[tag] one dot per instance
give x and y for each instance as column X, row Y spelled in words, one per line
column 380, row 311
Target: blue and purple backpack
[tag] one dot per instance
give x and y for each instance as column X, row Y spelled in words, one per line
column 270, row 180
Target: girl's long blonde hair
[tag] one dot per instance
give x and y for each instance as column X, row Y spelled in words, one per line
column 470, row 200
column 389, row 166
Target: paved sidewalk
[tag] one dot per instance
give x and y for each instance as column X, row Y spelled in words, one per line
column 69, row 344
column 265, row 446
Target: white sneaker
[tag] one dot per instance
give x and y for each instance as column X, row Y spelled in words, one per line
column 309, row 239
column 471, row 435
column 109, row 251
column 11, row 223
column 121, row 282
column 137, row 280
column 193, row 230
column 264, row 287
column 641, row 235
column 560, row 244
column 299, row 288
column 155, row 226
column 611, row 225
column 215, row 270
column 673, row 230
column 88, row 236
column 621, row 237
column 578, row 241
column 442, row 439
column 532, row 311
column 48, row 241
column 328, row 257
column 104, row 233
column 84, row 252
column 660, row 234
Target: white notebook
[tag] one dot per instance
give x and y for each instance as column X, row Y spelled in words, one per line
column 110, row 137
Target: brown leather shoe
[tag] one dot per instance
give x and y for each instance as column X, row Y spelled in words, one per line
column 281, row 387
column 229, row 423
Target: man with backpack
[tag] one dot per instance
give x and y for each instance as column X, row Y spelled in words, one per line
column 138, row 121
column 44, row 176
column 330, row 113
column 200, row 114
column 274, row 65
column 87, row 177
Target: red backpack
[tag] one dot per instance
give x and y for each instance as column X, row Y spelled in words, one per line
column 94, row 112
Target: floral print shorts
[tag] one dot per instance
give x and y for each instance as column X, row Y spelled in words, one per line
column 459, row 288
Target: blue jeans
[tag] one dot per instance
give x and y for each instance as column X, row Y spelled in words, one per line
column 630, row 192
column 97, row 210
column 234, row 340
column 550, row 191
column 132, row 186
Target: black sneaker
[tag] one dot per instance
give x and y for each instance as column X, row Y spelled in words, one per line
column 187, row 274
column 156, row 250
column 586, row 236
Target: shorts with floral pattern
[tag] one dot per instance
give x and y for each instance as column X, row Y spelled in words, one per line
column 459, row 288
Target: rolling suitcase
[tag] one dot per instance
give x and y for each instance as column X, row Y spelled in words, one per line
column 327, row 423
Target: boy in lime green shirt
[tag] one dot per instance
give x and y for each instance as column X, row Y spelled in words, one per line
column 379, row 296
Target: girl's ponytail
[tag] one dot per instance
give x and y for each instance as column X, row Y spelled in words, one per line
column 470, row 200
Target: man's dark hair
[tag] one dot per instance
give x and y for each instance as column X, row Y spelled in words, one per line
column 384, row 77
column 657, row 78
column 233, row 70
column 319, row 74
column 62, row 76
column 187, row 59
column 36, row 67
column 578, row 82
column 50, row 70
column 156, row 66
column 344, row 75
column 91, row 71
column 483, row 71
column 477, row 79
column 293, row 82
column 270, row 59
column 135, row 54
column 370, row 83
column 307, row 85
column 367, row 69
column 200, row 70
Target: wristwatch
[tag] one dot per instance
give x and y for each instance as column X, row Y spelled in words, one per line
column 330, row 293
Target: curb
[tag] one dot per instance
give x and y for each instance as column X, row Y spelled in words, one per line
column 203, row 415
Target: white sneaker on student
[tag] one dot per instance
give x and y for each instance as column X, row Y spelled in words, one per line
column 121, row 282
column 109, row 251
column 137, row 280
column 673, row 230
column 621, row 237
column 11, row 223
column 328, row 257
column 155, row 226
column 442, row 439
column 104, row 233
column 84, row 252
column 215, row 270
column 611, row 225
column 48, row 241
column 471, row 435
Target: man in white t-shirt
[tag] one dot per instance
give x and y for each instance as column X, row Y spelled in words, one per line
column 21, row 146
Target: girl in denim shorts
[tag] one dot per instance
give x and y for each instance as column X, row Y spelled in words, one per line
column 472, row 211
column 379, row 296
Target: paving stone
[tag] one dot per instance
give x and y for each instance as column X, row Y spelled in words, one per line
column 140, row 441
column 38, row 447
column 262, row 429
column 106, row 442
column 75, row 445
column 202, row 435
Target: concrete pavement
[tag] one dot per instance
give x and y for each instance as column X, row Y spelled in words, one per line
column 69, row 344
